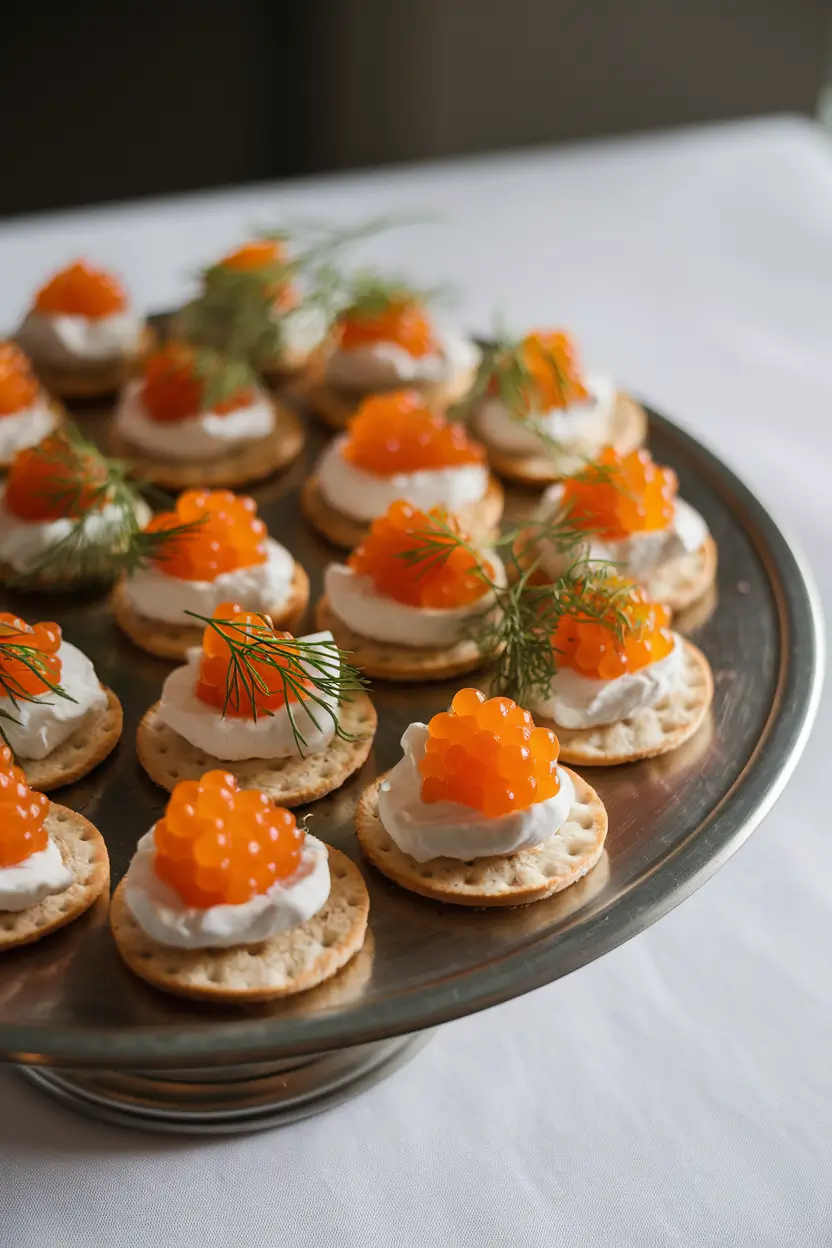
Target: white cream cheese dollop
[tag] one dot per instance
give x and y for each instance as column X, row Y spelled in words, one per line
column 72, row 341
column 37, row 728
column 640, row 553
column 26, row 428
column 235, row 738
column 386, row 365
column 261, row 587
column 578, row 701
column 302, row 329
column 206, row 436
column 40, row 875
column 426, row 830
column 162, row 914
column 579, row 427
column 365, row 495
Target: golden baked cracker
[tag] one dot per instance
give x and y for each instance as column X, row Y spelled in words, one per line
column 60, row 414
column 290, row 962
column 84, row 852
column 93, row 740
column 681, row 582
column 250, row 462
column 479, row 520
column 650, row 732
column 387, row 661
column 171, row 641
column 168, row 758
column 336, row 407
column 513, row 880
column 628, row 432
column 90, row 381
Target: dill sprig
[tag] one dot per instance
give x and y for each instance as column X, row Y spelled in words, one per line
column 34, row 661
column 369, row 293
column 314, row 673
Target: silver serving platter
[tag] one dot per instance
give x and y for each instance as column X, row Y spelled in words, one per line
column 93, row 1034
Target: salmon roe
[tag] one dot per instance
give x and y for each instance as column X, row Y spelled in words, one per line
column 274, row 652
column 219, row 846
column 173, row 390
column 401, row 321
column 620, row 495
column 81, row 290
column 634, row 633
column 55, row 479
column 488, row 754
column 18, row 384
column 258, row 254
column 228, row 535
column 399, row 432
column 39, row 672
column 389, row 555
column 22, row 814
column 551, row 359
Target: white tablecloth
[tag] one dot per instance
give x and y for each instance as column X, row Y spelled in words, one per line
column 679, row 1090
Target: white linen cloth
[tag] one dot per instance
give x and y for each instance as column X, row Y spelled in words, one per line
column 678, row 1091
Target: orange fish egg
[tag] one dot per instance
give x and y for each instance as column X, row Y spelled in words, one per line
column 488, row 754
column 173, row 390
column 18, row 384
column 633, row 631
column 389, row 555
column 620, row 495
column 55, row 479
column 219, row 846
column 81, row 290
column 401, row 321
column 399, row 432
column 267, row 651
column 22, row 814
column 260, row 254
column 551, row 359
column 227, row 535
column 28, row 675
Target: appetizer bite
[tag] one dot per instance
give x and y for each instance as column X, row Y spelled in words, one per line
column 53, row 862
column 195, row 418
column 227, row 899
column 286, row 715
column 81, row 334
column 211, row 549
column 479, row 811
column 385, row 339
column 68, row 515
column 408, row 596
column 540, row 418
column 55, row 714
column 27, row 414
column 399, row 447
column 629, row 512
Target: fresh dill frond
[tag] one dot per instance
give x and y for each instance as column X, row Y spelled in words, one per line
column 369, row 293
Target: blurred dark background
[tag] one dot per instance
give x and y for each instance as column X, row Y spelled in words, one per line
column 115, row 100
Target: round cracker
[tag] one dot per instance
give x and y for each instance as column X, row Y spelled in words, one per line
column 171, row 641
column 168, row 758
column 93, row 740
column 60, row 414
column 650, row 732
column 250, row 462
column 85, row 853
column 96, row 381
column 336, row 407
column 290, row 962
column 681, row 582
column 479, row 520
column 627, row 432
column 512, row 880
column 387, row 661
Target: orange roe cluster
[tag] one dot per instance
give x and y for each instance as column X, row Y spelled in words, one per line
column 401, row 320
column 258, row 254
column 402, row 555
column 621, row 494
column 18, row 384
column 551, row 359
column 174, row 391
column 488, row 754
column 81, row 290
column 399, row 432
column 634, row 633
column 27, row 676
column 22, row 814
column 219, row 846
column 227, row 535
column 55, row 479
column 246, row 700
